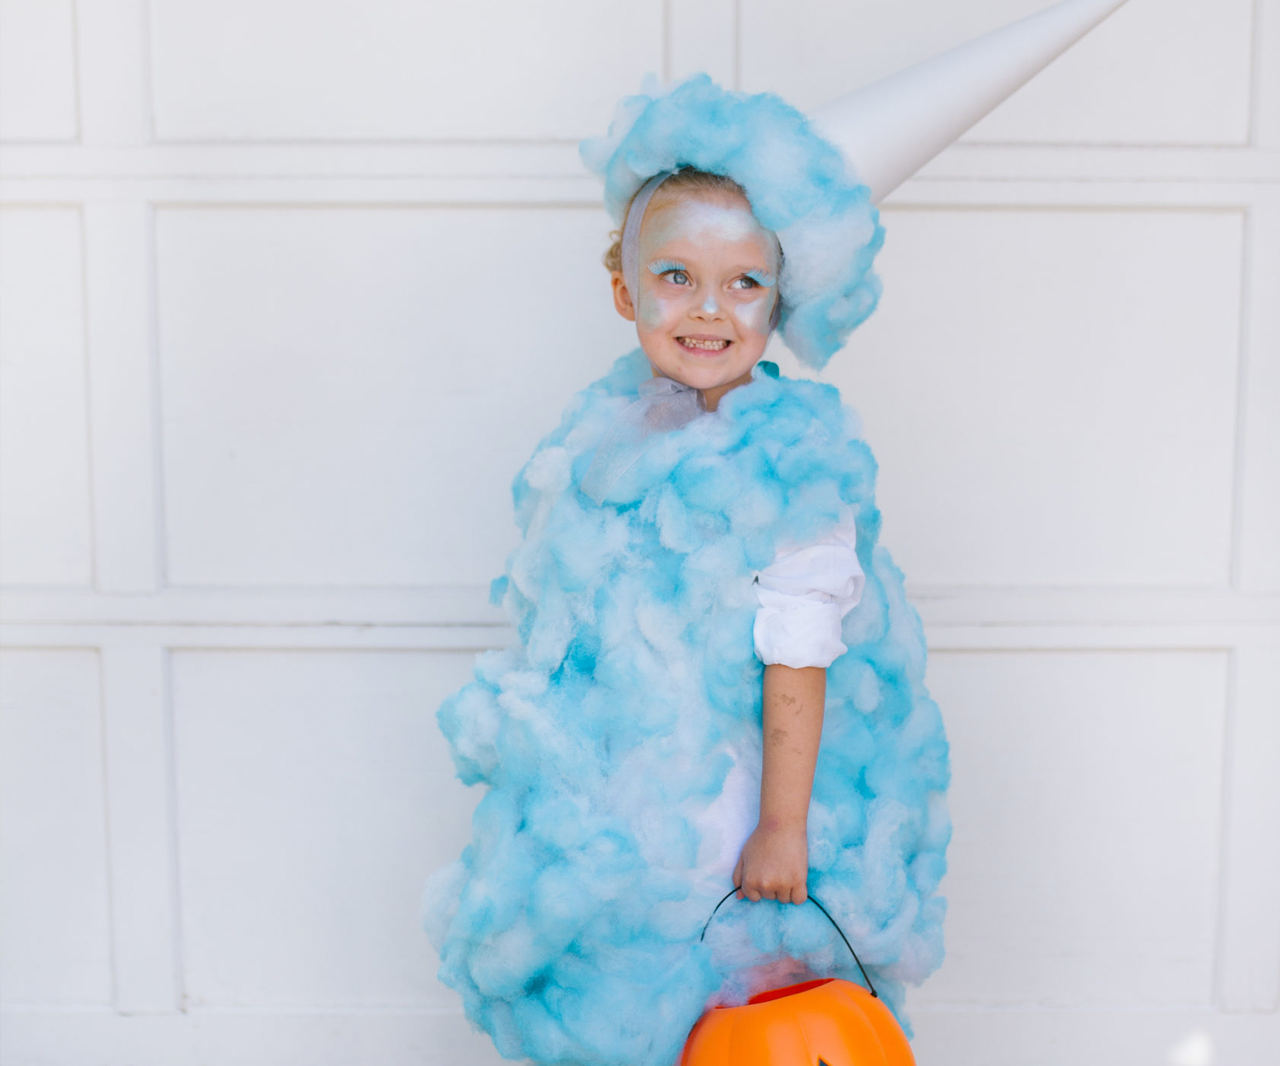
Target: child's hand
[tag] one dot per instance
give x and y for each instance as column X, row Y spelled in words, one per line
column 774, row 864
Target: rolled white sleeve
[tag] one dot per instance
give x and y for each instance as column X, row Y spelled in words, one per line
column 804, row 595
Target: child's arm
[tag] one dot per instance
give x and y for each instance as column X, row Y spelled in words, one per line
column 775, row 859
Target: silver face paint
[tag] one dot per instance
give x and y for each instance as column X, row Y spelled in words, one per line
column 651, row 310
column 754, row 314
column 700, row 219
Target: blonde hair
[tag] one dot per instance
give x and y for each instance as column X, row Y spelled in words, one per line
column 686, row 180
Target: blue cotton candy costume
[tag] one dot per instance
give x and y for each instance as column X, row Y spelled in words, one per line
column 619, row 739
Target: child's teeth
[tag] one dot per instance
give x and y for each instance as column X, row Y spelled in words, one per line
column 713, row 346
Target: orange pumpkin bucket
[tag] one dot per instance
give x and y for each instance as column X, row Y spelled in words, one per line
column 831, row 1022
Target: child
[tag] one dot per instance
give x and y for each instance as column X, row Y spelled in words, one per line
column 699, row 544
column 695, row 702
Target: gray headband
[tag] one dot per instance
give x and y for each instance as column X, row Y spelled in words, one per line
column 631, row 233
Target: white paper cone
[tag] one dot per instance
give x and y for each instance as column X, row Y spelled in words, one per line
column 891, row 128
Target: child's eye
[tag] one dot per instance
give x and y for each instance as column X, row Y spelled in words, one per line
column 746, row 282
column 678, row 277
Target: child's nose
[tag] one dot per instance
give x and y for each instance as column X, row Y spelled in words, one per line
column 710, row 306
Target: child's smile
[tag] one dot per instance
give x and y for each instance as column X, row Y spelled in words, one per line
column 703, row 344
column 707, row 289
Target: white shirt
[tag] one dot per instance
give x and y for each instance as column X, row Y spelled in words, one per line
column 804, row 595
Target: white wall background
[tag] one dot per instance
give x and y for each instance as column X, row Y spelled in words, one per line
column 291, row 289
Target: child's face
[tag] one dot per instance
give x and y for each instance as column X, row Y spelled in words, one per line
column 708, row 282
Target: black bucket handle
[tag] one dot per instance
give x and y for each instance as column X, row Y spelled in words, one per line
column 814, row 900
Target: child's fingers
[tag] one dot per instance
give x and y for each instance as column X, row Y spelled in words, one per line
column 753, row 885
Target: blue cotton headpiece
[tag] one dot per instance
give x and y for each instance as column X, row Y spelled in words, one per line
column 798, row 184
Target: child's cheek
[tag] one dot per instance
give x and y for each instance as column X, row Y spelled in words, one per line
column 655, row 312
column 754, row 314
